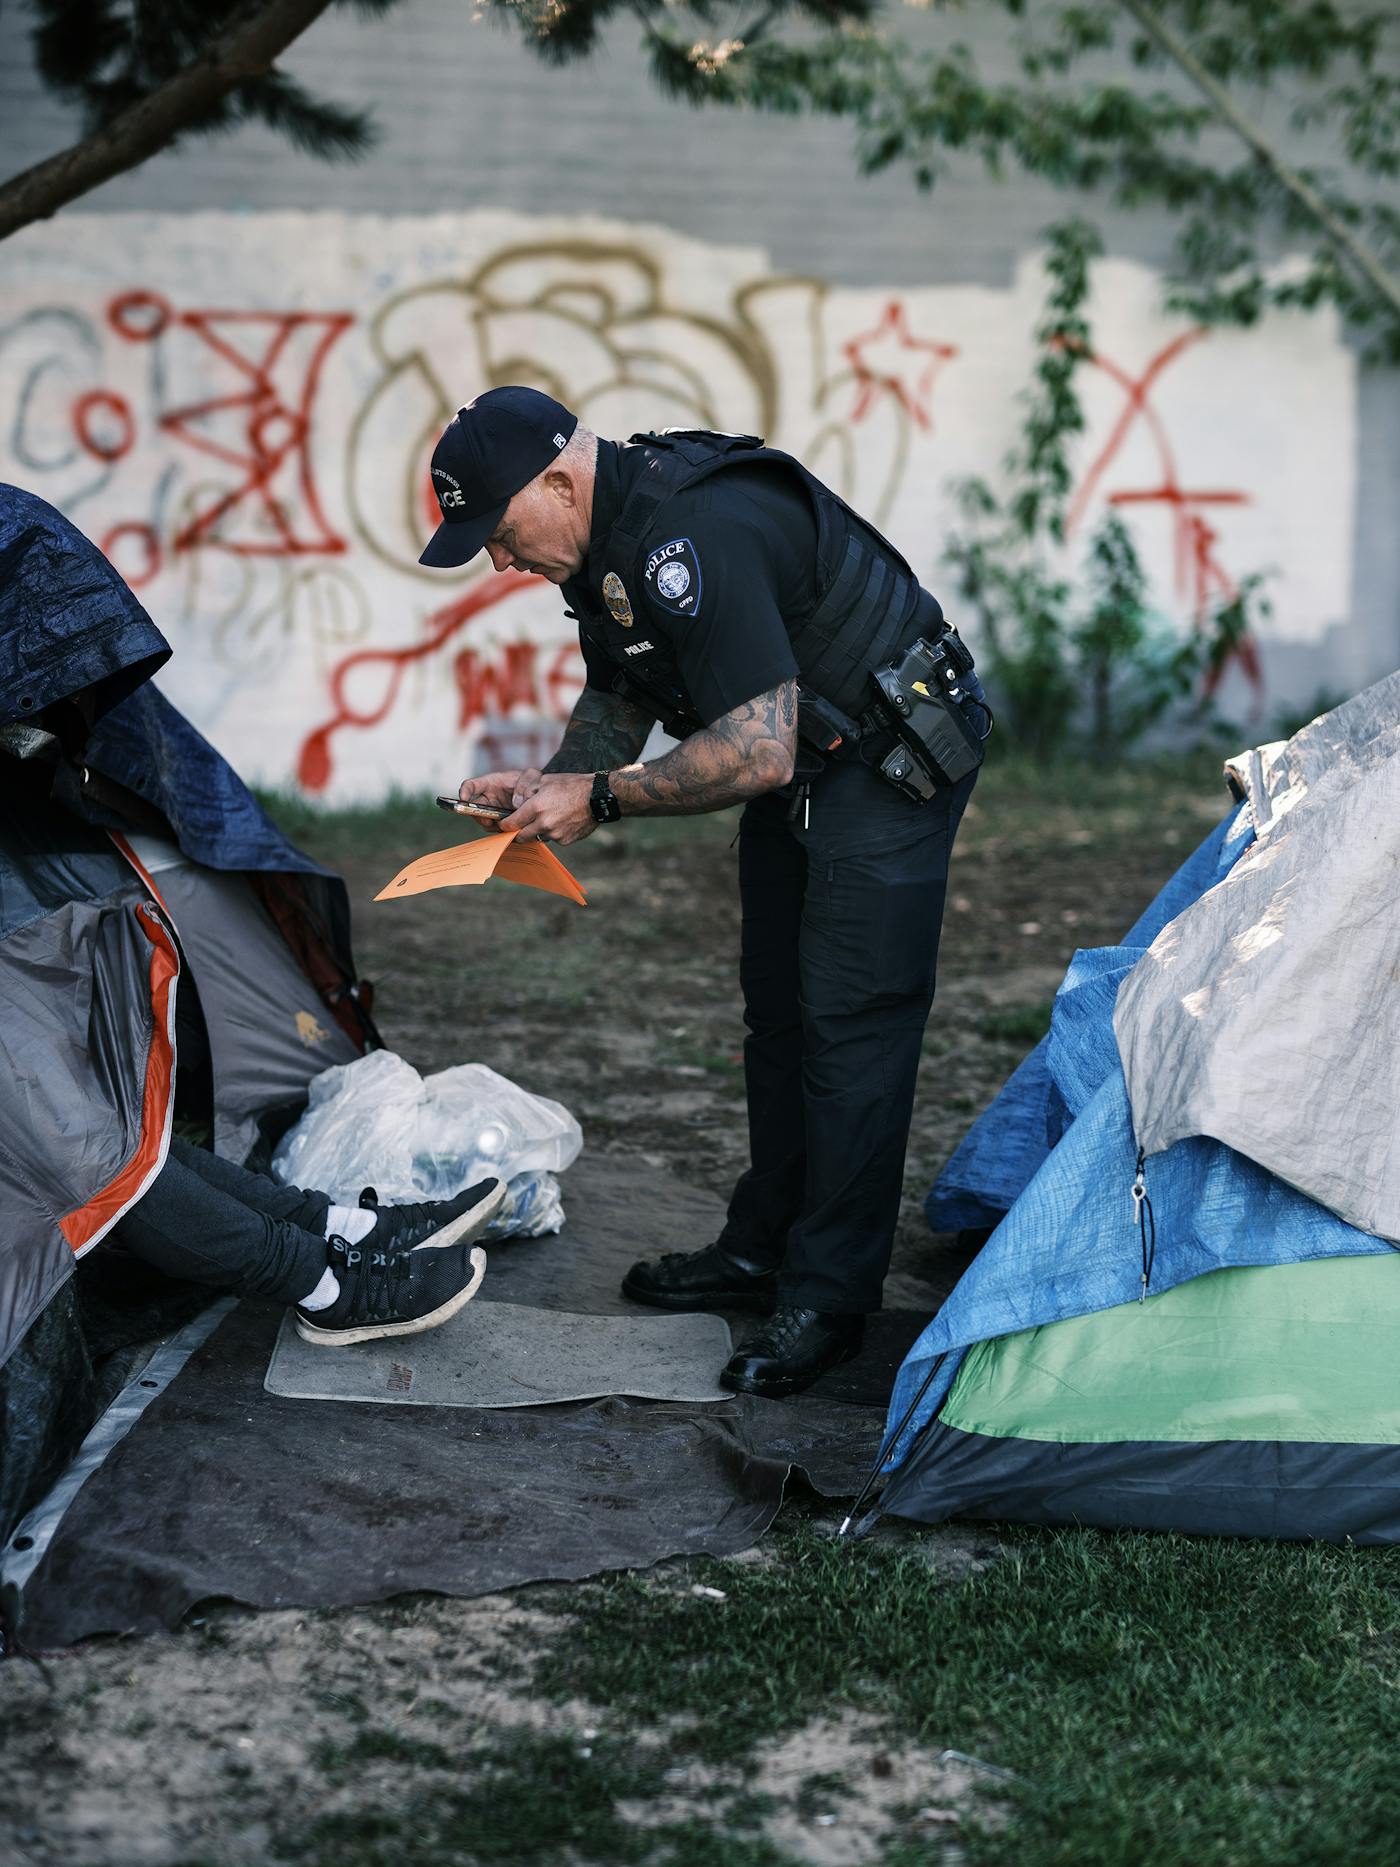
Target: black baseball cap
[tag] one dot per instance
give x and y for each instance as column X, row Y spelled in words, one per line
column 490, row 450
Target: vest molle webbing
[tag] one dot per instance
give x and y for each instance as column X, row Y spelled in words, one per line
column 868, row 601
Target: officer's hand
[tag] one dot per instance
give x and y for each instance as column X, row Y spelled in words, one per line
column 497, row 788
column 558, row 811
column 527, row 782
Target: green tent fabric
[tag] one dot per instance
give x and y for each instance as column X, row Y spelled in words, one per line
column 1261, row 1401
column 1284, row 1352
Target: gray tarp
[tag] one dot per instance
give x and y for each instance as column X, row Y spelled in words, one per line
column 1267, row 1015
column 76, row 1040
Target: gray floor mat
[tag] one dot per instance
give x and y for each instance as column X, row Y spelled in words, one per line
column 510, row 1355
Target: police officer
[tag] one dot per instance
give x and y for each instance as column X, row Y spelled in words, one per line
column 723, row 590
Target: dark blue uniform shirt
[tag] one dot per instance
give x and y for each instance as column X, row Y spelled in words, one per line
column 737, row 555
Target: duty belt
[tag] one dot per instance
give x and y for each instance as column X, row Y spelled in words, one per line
column 925, row 726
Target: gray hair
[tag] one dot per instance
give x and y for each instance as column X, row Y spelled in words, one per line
column 582, row 450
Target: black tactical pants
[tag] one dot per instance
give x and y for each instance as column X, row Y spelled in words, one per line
column 208, row 1221
column 841, row 919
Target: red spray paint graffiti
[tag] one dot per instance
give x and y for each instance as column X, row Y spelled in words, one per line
column 515, row 748
column 495, row 686
column 1200, row 576
column 889, row 359
column 483, row 686
column 262, row 427
column 136, row 573
column 104, row 424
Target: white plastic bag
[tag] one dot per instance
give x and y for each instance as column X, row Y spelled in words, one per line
column 377, row 1122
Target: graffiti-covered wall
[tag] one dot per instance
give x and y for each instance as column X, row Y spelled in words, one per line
column 240, row 409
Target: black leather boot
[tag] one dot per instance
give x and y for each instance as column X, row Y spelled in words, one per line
column 791, row 1350
column 701, row 1280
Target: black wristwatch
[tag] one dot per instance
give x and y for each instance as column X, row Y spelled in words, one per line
column 602, row 803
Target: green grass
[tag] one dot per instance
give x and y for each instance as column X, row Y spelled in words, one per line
column 534, row 1797
column 1018, row 1024
column 684, row 1047
column 1035, row 814
column 336, row 1761
column 405, row 818
column 1010, row 778
column 1161, row 1702
column 1165, row 1700
column 1015, row 790
column 410, row 821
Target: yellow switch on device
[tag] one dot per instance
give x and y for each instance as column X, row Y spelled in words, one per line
column 919, row 688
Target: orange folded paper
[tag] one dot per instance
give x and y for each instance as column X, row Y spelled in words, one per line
column 497, row 853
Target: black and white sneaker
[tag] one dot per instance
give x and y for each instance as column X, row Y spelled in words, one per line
column 384, row 1293
column 433, row 1224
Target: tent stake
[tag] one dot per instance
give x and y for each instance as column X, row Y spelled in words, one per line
column 890, row 1442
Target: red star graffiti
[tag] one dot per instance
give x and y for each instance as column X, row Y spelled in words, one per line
column 890, row 360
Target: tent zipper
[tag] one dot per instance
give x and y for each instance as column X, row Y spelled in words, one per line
column 1146, row 1223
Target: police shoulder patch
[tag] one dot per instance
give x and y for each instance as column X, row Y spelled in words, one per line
column 673, row 577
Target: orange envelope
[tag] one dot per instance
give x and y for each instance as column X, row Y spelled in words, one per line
column 496, row 853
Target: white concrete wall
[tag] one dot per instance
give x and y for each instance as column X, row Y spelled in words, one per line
column 238, row 405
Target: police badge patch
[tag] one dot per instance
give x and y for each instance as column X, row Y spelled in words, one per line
column 618, row 602
column 673, row 577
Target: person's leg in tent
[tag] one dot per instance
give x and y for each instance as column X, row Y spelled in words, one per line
column 354, row 1273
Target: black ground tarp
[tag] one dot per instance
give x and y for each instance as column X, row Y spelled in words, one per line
column 76, row 1357
column 223, row 1490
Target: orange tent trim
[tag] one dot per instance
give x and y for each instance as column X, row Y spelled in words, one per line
column 87, row 1224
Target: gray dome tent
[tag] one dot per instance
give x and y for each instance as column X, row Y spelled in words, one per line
column 164, row 953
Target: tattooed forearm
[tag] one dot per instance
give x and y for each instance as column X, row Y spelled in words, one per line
column 604, row 731
column 746, row 752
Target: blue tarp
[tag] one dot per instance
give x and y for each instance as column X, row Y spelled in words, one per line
column 1057, row 1147
column 69, row 625
column 150, row 747
column 1004, row 1148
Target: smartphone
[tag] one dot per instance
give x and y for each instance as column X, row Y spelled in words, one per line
column 489, row 813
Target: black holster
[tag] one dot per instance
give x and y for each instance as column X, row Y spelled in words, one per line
column 923, row 698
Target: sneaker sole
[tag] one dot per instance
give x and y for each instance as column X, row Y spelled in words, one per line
column 374, row 1332
column 782, row 1390
column 709, row 1301
column 467, row 1224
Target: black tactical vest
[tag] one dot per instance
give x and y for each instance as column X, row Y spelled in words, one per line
column 867, row 604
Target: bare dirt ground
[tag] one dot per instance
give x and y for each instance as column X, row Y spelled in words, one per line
column 218, row 1745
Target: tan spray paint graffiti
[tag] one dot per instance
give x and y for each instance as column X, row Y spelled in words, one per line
column 241, row 410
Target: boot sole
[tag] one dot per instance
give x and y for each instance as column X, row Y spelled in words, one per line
column 467, row 1224
column 782, row 1389
column 376, row 1331
column 708, row 1302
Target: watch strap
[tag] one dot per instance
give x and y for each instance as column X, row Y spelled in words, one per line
column 602, row 801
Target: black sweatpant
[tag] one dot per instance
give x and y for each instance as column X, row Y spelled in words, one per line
column 841, row 919
column 210, row 1222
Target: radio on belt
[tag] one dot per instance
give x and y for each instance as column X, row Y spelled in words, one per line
column 921, row 696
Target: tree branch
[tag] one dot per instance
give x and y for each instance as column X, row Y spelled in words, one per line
column 1341, row 236
column 246, row 50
